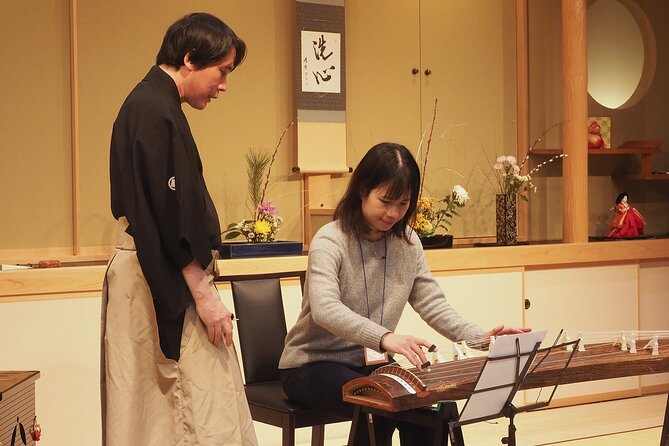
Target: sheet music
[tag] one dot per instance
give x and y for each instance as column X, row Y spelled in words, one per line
column 500, row 372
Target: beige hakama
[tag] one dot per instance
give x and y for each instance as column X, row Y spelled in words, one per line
column 148, row 399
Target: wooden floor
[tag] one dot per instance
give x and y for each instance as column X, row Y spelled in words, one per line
column 632, row 421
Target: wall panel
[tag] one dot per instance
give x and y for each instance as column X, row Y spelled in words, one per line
column 35, row 163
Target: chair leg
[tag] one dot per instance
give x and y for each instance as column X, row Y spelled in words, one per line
column 318, row 435
column 288, row 431
column 358, row 418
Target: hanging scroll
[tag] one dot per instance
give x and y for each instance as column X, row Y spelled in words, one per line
column 321, row 87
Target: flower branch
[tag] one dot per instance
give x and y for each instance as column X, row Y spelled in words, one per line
column 266, row 221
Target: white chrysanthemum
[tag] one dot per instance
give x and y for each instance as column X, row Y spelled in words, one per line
column 460, row 195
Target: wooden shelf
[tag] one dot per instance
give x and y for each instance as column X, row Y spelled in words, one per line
column 643, row 148
column 618, row 151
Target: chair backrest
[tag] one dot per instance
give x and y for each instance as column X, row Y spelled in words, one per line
column 262, row 324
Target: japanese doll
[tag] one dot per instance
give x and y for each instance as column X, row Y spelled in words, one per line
column 627, row 221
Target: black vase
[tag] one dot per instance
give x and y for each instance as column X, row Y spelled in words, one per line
column 505, row 213
column 437, row 241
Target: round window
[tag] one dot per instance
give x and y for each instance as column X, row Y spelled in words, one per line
column 621, row 53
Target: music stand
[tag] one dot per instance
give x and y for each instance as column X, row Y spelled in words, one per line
column 503, row 372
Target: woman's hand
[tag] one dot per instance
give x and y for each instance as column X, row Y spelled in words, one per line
column 501, row 330
column 211, row 311
column 504, row 330
column 407, row 346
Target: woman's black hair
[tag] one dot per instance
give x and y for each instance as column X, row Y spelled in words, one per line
column 204, row 37
column 620, row 196
column 386, row 164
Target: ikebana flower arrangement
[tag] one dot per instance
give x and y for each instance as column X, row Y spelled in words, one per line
column 508, row 173
column 510, row 184
column 266, row 222
column 262, row 228
column 509, row 179
column 433, row 214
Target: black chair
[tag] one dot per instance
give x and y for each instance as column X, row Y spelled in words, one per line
column 262, row 330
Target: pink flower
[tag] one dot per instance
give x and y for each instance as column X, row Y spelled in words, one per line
column 267, row 208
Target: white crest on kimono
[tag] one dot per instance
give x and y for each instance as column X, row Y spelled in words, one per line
column 172, row 183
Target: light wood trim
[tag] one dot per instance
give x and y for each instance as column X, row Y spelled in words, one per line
column 575, row 113
column 229, row 267
column 64, row 280
column 64, row 254
column 522, row 104
column 50, row 296
column 546, row 255
column 82, row 279
column 74, row 98
column 655, row 389
column 494, row 257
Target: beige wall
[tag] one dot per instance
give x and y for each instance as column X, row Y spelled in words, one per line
column 35, row 191
column 470, row 50
column 117, row 43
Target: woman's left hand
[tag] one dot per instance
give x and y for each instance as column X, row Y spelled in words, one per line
column 504, row 330
column 500, row 330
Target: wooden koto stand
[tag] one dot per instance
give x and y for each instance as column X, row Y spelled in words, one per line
column 17, row 399
column 455, row 380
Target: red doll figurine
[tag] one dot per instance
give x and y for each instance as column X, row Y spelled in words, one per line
column 595, row 139
column 627, row 221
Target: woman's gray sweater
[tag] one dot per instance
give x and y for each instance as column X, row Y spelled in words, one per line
column 339, row 318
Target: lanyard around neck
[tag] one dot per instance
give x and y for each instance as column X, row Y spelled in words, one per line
column 364, row 274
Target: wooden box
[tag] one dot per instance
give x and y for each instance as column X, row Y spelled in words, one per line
column 17, row 399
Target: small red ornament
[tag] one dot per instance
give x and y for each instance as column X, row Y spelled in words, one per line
column 36, row 431
column 595, row 139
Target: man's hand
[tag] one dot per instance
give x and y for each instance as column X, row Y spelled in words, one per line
column 211, row 311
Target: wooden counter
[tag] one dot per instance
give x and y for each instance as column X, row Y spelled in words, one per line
column 490, row 257
column 75, row 281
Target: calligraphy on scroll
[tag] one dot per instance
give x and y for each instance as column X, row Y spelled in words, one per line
column 321, row 62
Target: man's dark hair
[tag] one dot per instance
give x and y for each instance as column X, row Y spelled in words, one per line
column 206, row 38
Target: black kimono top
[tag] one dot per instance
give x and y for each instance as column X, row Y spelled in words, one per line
column 157, row 184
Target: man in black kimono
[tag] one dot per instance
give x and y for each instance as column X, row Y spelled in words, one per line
column 168, row 361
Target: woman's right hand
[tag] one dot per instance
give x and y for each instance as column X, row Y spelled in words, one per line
column 407, row 346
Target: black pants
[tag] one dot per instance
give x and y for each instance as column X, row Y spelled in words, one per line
column 318, row 385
